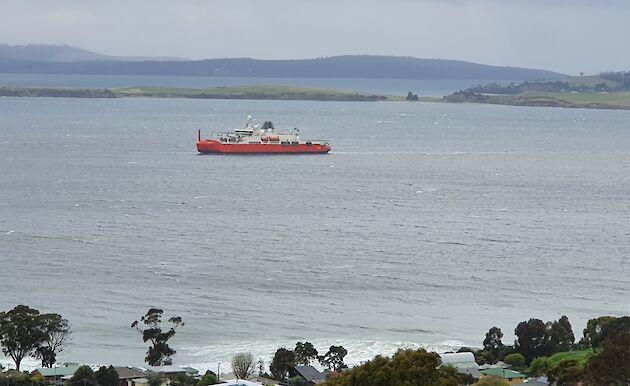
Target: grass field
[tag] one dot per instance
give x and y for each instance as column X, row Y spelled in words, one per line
column 621, row 100
column 580, row 356
column 273, row 92
column 248, row 92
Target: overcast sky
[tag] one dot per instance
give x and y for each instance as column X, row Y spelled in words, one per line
column 562, row 35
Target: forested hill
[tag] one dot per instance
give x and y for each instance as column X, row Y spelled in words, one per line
column 359, row 66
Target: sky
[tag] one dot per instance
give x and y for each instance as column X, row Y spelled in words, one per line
column 569, row 36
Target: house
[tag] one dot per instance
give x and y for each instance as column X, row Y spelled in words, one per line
column 463, row 362
column 130, row 376
column 171, row 372
column 510, row 376
column 499, row 364
column 308, row 373
column 54, row 375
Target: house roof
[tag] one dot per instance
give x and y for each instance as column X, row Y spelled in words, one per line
column 310, row 373
column 499, row 364
column 56, row 371
column 472, row 371
column 125, row 372
column 172, row 369
column 503, row 373
column 457, row 357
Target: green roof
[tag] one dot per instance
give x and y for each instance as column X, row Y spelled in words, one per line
column 503, row 373
column 57, row 371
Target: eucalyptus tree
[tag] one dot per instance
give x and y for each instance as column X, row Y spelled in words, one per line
column 159, row 353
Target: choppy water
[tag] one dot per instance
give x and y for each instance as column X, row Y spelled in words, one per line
column 426, row 224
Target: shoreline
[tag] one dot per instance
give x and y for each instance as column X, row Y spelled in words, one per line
column 237, row 92
column 584, row 100
column 581, row 100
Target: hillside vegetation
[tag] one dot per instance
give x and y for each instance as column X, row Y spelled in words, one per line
column 609, row 90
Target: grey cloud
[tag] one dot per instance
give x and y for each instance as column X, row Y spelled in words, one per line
column 561, row 35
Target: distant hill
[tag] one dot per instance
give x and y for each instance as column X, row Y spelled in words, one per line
column 63, row 53
column 70, row 60
column 47, row 53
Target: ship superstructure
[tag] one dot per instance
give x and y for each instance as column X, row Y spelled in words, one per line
column 260, row 139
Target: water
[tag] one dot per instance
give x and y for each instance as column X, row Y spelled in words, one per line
column 426, row 225
column 425, row 87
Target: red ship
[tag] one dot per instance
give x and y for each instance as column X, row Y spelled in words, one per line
column 264, row 139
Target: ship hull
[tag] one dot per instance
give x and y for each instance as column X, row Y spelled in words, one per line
column 210, row 146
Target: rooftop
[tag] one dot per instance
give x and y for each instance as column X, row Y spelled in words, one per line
column 503, row 373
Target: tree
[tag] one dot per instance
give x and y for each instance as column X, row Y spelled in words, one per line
column 593, row 333
column 333, row 359
column 243, row 365
column 567, row 373
column 491, row 381
column 406, row 367
column 539, row 366
column 160, row 352
column 282, row 360
column 57, row 331
column 516, row 360
column 483, row 357
column 16, row 378
column 21, row 333
column 209, row 378
column 107, row 376
column 493, row 339
column 156, row 379
column 84, row 375
column 493, row 345
column 183, row 379
column 561, row 335
column 533, row 339
column 611, row 366
column 304, row 353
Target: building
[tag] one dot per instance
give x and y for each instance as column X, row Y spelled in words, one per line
column 463, row 362
column 510, row 376
column 54, row 375
column 171, row 372
column 308, row 373
column 130, row 376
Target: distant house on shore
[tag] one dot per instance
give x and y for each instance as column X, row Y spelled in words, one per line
column 463, row 362
column 130, row 376
column 498, row 365
column 309, row 373
column 55, row 375
column 510, row 376
column 171, row 372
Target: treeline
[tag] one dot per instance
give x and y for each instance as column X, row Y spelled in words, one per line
column 618, row 81
column 620, row 77
column 604, row 359
column 607, row 337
